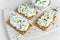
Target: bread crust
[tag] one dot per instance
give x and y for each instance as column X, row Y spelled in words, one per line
column 43, row 27
column 21, row 32
column 26, row 16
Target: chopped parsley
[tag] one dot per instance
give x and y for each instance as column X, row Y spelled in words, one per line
column 16, row 37
column 20, row 21
column 55, row 10
column 42, row 1
column 36, row 1
column 20, row 7
column 52, row 23
column 45, row 19
column 21, row 26
column 23, row 20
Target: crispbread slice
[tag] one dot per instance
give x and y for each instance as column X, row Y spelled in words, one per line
column 21, row 32
column 43, row 27
column 26, row 16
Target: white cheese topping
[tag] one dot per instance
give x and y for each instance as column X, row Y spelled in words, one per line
column 26, row 10
column 19, row 22
column 41, row 3
column 46, row 19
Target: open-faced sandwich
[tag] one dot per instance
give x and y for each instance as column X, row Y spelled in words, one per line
column 41, row 3
column 27, row 11
column 45, row 20
column 19, row 23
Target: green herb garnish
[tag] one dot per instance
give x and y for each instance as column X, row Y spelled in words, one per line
column 45, row 19
column 43, row 1
column 20, row 21
column 23, row 20
column 22, row 9
column 36, row 1
column 17, row 37
column 20, row 27
column 55, row 10
column 53, row 23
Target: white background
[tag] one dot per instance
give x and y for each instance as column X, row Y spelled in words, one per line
column 10, row 4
